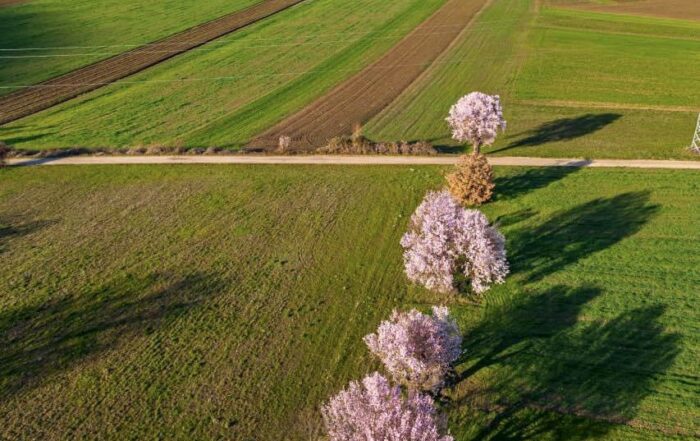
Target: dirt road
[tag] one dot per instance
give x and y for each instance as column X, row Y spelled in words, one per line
column 355, row 160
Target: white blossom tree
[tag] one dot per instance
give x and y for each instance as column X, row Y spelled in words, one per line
column 445, row 238
column 476, row 119
column 417, row 349
column 374, row 410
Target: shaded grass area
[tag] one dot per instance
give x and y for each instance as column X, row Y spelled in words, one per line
column 200, row 302
column 547, row 64
column 226, row 92
column 594, row 133
column 49, row 38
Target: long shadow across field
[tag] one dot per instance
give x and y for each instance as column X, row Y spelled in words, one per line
column 552, row 375
column 12, row 227
column 44, row 339
column 513, row 186
column 563, row 129
column 576, row 233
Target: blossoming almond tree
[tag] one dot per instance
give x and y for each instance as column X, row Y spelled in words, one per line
column 376, row 411
column 445, row 238
column 476, row 119
column 417, row 349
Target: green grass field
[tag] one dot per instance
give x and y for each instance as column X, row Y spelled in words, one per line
column 205, row 302
column 573, row 84
column 51, row 37
column 229, row 91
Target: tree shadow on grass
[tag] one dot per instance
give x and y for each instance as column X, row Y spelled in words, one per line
column 563, row 129
column 574, row 234
column 41, row 340
column 550, row 373
column 11, row 228
column 531, row 179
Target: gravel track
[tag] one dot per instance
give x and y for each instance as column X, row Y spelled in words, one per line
column 355, row 160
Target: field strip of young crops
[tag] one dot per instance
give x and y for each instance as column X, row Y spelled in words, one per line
column 44, row 39
column 585, row 89
column 225, row 93
column 369, row 91
column 204, row 302
column 486, row 58
column 39, row 97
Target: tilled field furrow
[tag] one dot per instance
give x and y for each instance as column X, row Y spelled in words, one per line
column 36, row 98
column 369, row 91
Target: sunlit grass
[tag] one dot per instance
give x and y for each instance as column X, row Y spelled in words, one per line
column 199, row 302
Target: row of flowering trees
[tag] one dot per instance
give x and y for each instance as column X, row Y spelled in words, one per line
column 417, row 350
column 445, row 241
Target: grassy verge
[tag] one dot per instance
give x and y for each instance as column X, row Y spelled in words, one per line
column 49, row 38
column 225, row 93
column 200, row 302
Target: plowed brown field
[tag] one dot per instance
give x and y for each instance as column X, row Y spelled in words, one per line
column 44, row 95
column 684, row 9
column 369, row 91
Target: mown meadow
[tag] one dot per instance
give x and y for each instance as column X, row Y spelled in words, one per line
column 206, row 302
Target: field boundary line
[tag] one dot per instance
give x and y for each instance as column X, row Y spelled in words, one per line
column 355, row 160
column 607, row 105
column 620, row 33
column 44, row 95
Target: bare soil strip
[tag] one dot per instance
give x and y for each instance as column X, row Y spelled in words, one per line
column 683, row 9
column 354, row 160
column 41, row 96
column 366, row 93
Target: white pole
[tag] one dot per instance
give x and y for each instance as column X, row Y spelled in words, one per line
column 695, row 145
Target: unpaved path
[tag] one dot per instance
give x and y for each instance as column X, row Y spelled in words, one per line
column 366, row 93
column 355, row 160
column 41, row 96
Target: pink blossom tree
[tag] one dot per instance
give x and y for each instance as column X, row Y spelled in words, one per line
column 417, row 349
column 476, row 119
column 445, row 239
column 376, row 411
